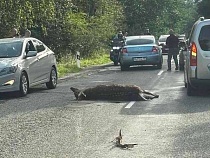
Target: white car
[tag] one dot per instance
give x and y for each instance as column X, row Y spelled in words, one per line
column 26, row 62
column 162, row 43
column 197, row 58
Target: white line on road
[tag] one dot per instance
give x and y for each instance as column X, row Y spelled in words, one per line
column 130, row 105
column 161, row 71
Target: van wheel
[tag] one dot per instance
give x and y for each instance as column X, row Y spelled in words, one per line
column 53, row 79
column 24, row 85
column 190, row 90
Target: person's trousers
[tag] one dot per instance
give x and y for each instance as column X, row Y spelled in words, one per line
column 172, row 53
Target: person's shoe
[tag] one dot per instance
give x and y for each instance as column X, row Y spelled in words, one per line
column 176, row 68
column 169, row 70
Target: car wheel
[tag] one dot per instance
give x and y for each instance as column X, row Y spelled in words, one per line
column 124, row 68
column 24, row 85
column 190, row 90
column 53, row 79
column 159, row 66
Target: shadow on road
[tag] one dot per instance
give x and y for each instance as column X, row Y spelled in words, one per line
column 15, row 95
column 192, row 140
column 181, row 104
column 141, row 68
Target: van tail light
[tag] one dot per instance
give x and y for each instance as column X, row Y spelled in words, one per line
column 124, row 50
column 154, row 49
column 193, row 55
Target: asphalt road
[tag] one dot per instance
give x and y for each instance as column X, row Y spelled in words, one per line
column 51, row 124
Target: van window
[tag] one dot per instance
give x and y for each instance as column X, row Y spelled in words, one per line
column 204, row 38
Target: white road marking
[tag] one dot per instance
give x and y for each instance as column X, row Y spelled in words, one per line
column 161, row 71
column 130, row 105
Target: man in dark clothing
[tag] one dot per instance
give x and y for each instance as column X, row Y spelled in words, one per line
column 172, row 43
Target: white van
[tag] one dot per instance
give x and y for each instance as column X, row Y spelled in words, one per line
column 197, row 61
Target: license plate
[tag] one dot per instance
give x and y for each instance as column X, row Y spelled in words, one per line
column 139, row 59
column 166, row 49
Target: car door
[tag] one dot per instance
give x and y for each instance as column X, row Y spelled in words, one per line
column 31, row 63
column 43, row 58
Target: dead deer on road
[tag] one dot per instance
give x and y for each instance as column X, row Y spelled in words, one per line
column 114, row 92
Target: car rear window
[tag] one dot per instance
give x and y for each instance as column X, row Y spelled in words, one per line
column 204, row 38
column 139, row 41
column 162, row 39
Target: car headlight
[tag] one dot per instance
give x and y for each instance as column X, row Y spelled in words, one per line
column 8, row 70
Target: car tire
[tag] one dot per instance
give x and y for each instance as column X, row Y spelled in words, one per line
column 190, row 90
column 124, row 68
column 159, row 66
column 24, row 85
column 53, row 79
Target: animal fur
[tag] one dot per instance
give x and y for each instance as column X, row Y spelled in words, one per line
column 114, row 92
column 118, row 139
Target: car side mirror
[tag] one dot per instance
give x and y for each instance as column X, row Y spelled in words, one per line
column 31, row 53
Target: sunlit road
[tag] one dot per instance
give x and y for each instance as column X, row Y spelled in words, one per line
column 50, row 123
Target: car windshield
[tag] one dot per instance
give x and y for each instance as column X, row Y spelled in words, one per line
column 10, row 49
column 139, row 41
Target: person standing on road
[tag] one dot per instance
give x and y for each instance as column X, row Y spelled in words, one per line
column 172, row 42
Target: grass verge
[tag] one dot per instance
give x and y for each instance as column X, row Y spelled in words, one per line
column 68, row 64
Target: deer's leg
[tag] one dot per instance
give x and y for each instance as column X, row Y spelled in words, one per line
column 154, row 95
column 142, row 97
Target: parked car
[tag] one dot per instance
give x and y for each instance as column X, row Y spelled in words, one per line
column 182, row 38
column 182, row 41
column 197, row 63
column 162, row 43
column 140, row 50
column 26, row 62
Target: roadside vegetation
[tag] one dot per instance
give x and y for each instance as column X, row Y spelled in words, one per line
column 69, row 64
column 87, row 26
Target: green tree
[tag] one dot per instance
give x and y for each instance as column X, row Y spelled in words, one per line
column 203, row 8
